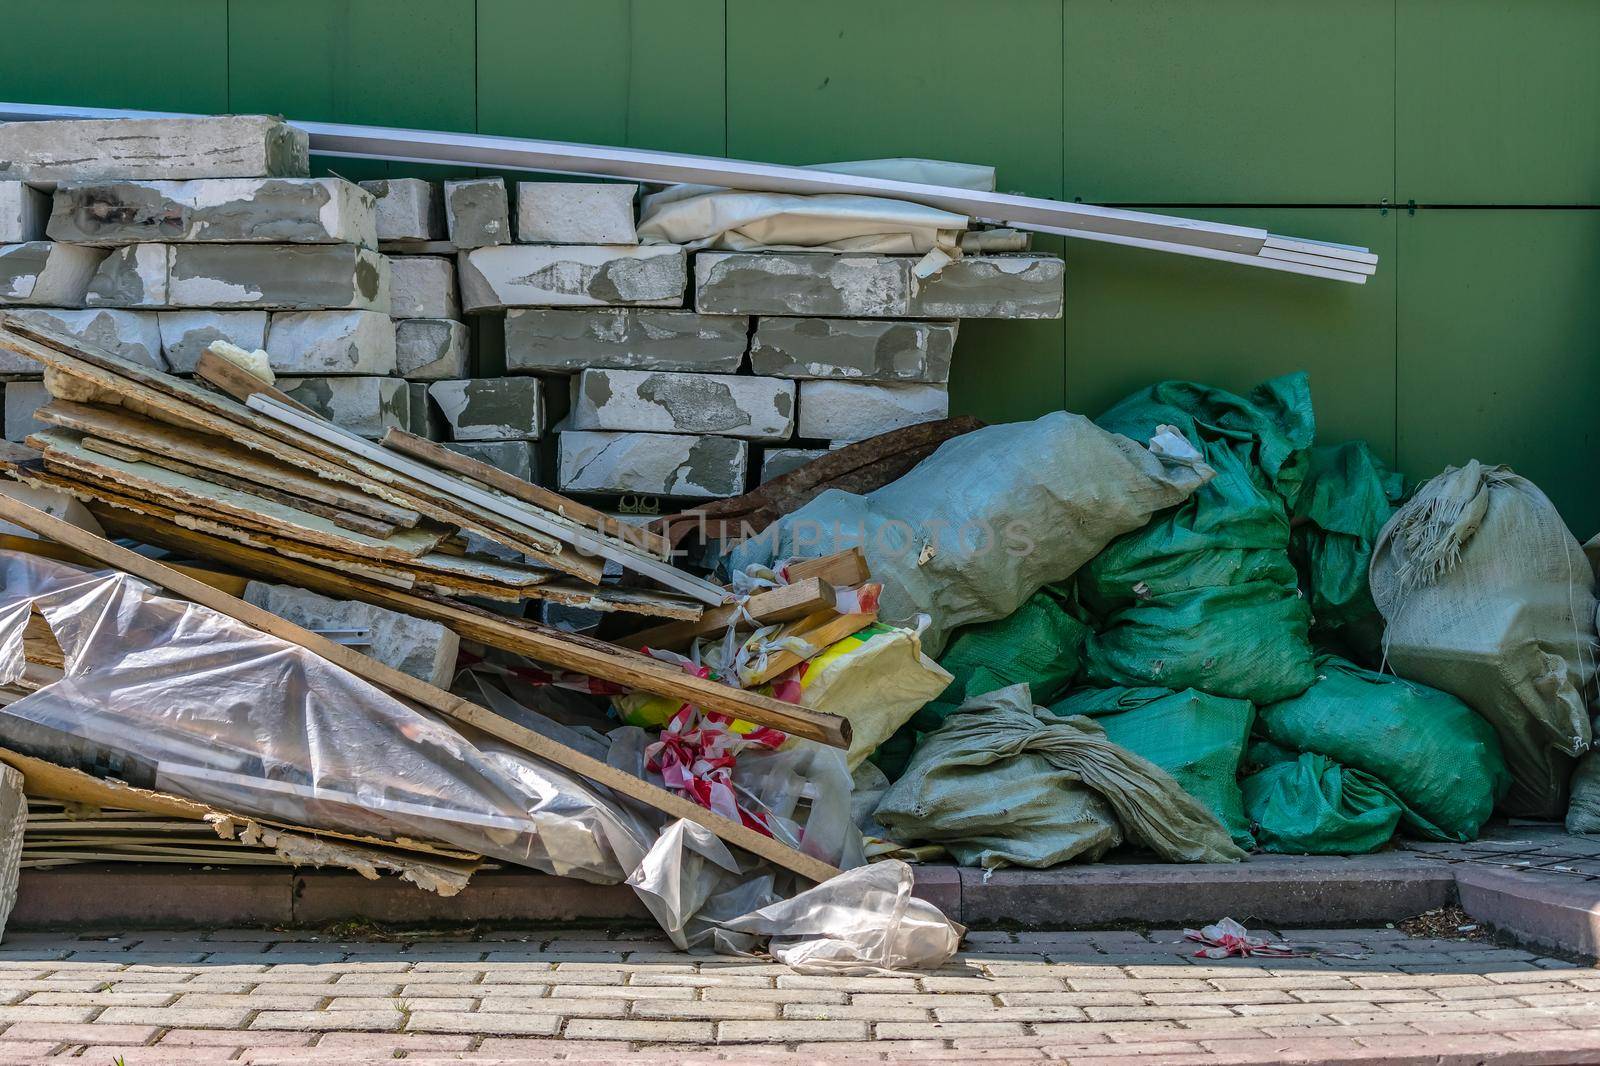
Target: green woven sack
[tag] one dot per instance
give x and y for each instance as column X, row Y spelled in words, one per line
column 1313, row 806
column 1197, row 738
column 1038, row 644
column 1438, row 756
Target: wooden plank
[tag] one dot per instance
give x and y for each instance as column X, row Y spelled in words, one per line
column 818, row 631
column 782, row 604
column 546, row 523
column 845, row 569
column 232, row 584
column 436, row 699
column 570, row 651
column 427, row 451
column 220, row 455
column 238, row 382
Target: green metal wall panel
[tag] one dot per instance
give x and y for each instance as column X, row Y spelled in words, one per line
column 644, row 74
column 157, row 55
column 1230, row 101
column 1498, row 102
column 1134, row 318
column 1499, row 342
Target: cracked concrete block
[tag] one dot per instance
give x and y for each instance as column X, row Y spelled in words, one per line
column 660, row 402
column 23, row 212
column 565, row 340
column 476, row 212
column 407, row 209
column 653, row 464
column 573, row 212
column 570, row 275
column 415, row 646
column 134, row 335
column 22, row 399
column 848, row 410
column 422, row 286
column 187, row 334
column 776, row 462
column 425, row 418
column 864, row 350
column 428, row 349
column 289, row 277
column 46, row 273
column 222, row 146
column 876, row 286
column 331, row 342
column 249, row 210
column 490, row 408
column 519, row 458
column 365, row 406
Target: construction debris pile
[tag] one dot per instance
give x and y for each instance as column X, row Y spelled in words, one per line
column 889, row 634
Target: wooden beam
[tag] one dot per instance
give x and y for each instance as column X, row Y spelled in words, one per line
column 841, row 569
column 232, row 584
column 408, row 687
column 782, row 604
column 238, row 382
column 819, row 631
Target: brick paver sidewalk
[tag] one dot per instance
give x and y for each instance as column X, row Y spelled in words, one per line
column 1099, row 997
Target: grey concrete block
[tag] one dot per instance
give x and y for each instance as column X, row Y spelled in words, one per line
column 331, row 342
column 366, row 406
column 572, row 212
column 566, row 340
column 490, row 408
column 422, row 286
column 408, row 209
column 425, row 418
column 870, row 286
column 415, row 646
column 224, row 146
column 250, row 210
column 776, row 462
column 653, row 464
column 187, row 334
column 657, row 402
column 134, row 335
column 540, row 275
column 23, row 212
column 519, row 458
column 289, row 277
column 427, row 349
column 848, row 410
column 22, row 399
column 476, row 212
column 46, row 273
column 862, row 350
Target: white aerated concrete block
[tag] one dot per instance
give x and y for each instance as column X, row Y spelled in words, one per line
column 134, row 335
column 652, row 464
column 571, row 212
column 848, row 410
column 364, row 406
column 223, row 146
column 289, row 277
column 422, row 286
column 23, row 398
column 776, row 462
column 425, row 418
column 46, row 273
column 476, row 212
column 519, row 458
column 425, row 650
column 185, row 335
column 564, row 340
column 490, row 408
column 23, row 212
column 408, row 209
column 857, row 349
column 543, row 275
column 235, row 210
column 658, row 402
column 430, row 349
column 331, row 342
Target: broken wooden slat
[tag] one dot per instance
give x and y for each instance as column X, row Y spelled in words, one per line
column 238, row 382
column 845, row 569
column 818, row 631
column 782, row 604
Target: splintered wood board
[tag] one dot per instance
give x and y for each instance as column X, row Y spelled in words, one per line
column 407, row 687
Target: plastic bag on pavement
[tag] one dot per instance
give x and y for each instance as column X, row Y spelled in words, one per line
column 990, row 517
column 1346, row 500
column 1310, row 805
column 865, row 921
column 1431, row 750
column 1205, row 596
column 1487, row 596
column 1005, row 782
column 1198, row 738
